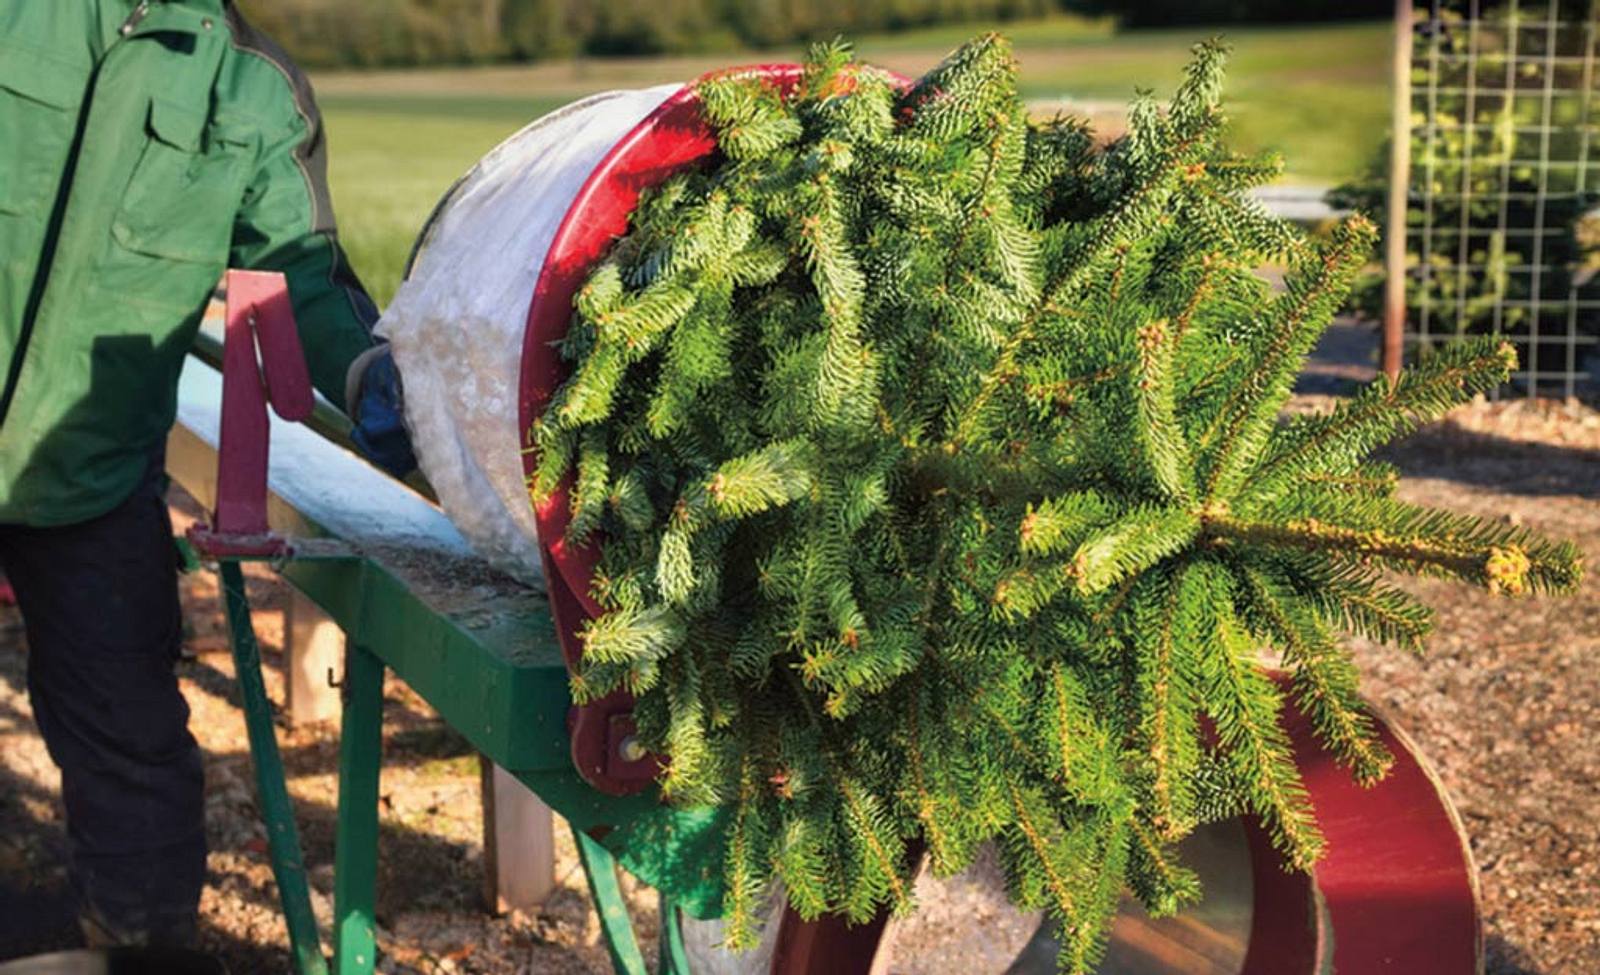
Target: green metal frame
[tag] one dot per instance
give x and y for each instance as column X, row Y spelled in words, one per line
column 626, row 959
column 355, row 863
column 360, row 761
column 496, row 675
column 283, row 839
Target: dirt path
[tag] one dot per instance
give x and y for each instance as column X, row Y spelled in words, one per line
column 1506, row 703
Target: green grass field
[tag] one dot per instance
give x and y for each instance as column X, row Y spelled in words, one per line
column 399, row 138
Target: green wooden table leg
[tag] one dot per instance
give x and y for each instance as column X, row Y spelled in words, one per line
column 609, row 904
column 355, row 870
column 283, row 839
column 674, row 955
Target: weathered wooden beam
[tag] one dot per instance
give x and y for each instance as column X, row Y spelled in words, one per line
column 519, row 852
column 1394, row 259
column 313, row 662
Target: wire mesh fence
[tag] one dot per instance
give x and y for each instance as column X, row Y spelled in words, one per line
column 1504, row 132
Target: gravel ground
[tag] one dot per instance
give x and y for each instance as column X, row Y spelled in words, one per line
column 1505, row 703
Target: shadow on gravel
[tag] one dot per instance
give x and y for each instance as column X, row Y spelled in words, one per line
column 1513, row 466
column 1345, row 359
column 419, row 738
column 37, row 908
column 1505, row 958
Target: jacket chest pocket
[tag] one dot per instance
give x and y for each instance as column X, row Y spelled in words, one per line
column 37, row 98
column 185, row 188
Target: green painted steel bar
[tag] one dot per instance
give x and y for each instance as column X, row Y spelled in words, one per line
column 497, row 677
column 283, row 839
column 355, row 869
column 674, row 954
column 609, row 904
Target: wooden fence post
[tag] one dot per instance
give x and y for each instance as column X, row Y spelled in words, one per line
column 519, row 851
column 313, row 650
column 1394, row 282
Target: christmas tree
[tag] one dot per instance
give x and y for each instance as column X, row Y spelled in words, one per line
column 935, row 459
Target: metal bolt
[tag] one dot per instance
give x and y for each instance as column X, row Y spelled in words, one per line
column 630, row 750
column 206, row 23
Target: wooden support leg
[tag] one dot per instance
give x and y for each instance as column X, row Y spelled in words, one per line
column 355, row 868
column 519, row 851
column 314, row 649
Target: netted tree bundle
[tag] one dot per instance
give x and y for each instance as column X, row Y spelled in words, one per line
column 935, row 459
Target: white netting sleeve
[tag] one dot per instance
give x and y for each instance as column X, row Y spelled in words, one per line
column 456, row 324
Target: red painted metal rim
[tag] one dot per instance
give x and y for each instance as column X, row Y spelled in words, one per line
column 669, row 139
column 1398, row 883
column 1396, row 892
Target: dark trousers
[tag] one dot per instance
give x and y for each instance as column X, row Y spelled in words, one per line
column 100, row 603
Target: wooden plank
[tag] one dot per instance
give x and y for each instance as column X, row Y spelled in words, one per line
column 313, row 662
column 519, row 851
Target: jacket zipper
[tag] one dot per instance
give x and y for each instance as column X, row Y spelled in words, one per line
column 137, row 15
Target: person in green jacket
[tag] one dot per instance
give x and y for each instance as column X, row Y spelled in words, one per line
column 145, row 146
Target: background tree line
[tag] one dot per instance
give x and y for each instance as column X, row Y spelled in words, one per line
column 374, row 33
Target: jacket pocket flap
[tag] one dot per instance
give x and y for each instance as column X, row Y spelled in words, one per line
column 41, row 78
column 177, row 124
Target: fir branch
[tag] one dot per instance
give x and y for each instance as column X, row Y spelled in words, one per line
column 869, row 827
column 1025, row 591
column 1167, row 626
column 1352, row 598
column 555, row 448
column 1246, row 224
column 1335, row 442
column 1061, row 892
column 1163, row 885
column 1166, row 452
column 1126, row 547
column 1244, row 707
column 1250, row 409
column 590, row 492
column 1372, row 480
column 801, row 863
column 1133, row 217
column 941, row 845
column 630, row 636
column 1501, row 558
column 766, row 478
column 1197, row 296
column 1325, row 681
column 743, row 883
column 1057, row 525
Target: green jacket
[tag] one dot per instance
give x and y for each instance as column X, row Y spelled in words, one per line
column 144, row 148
